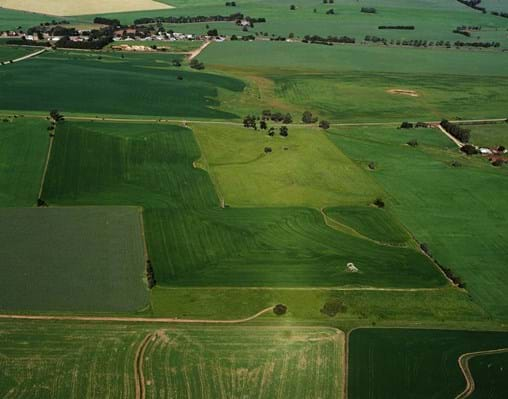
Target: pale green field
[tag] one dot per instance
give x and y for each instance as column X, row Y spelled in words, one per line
column 494, row 135
column 303, row 169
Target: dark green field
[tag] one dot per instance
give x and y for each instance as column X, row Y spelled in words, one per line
column 153, row 87
column 72, row 259
column 23, row 148
column 490, row 376
column 402, row 363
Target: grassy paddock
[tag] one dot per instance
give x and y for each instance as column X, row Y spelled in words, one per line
column 72, row 259
column 489, row 135
column 402, row 363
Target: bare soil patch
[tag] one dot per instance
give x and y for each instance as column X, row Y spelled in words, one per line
column 403, row 92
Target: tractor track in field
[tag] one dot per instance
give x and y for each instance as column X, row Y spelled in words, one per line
column 139, row 377
column 193, row 54
column 464, row 367
column 134, row 319
column 25, row 57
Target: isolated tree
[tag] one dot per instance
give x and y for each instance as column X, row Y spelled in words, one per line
column 268, row 149
column 412, row 143
column 262, row 125
column 283, row 131
column 308, row 118
column 379, row 203
column 324, row 124
column 292, row 7
column 271, row 131
column 280, row 309
column 287, row 119
column 406, row 125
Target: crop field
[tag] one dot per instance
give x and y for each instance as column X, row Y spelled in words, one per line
column 494, row 135
column 76, row 360
column 151, row 78
column 67, row 360
column 402, row 363
column 23, row 149
column 72, row 259
column 303, row 169
column 245, row 362
column 490, row 375
column 467, row 230
column 56, row 7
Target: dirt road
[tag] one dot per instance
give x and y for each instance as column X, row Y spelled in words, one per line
column 464, row 367
column 134, row 319
column 195, row 53
column 25, row 57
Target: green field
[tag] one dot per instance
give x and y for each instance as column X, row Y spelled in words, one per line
column 403, row 363
column 23, row 148
column 191, row 241
column 77, row 360
column 72, row 259
column 494, row 135
column 303, row 169
column 374, row 223
column 10, row 53
column 490, row 375
column 444, row 206
column 153, row 87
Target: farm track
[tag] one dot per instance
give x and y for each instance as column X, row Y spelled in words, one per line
column 464, row 367
column 231, row 123
column 135, row 319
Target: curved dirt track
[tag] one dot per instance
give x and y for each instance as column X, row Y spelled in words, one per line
column 464, row 367
column 139, row 377
column 134, row 319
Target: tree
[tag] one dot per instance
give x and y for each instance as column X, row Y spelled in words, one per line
column 412, row 143
column 292, row 7
column 56, row 116
column 195, row 64
column 308, row 118
column 262, row 125
column 406, row 125
column 280, row 309
column 372, row 165
column 283, row 131
column 469, row 149
column 379, row 203
column 271, row 131
column 268, row 150
column 213, row 32
column 287, row 119
column 324, row 124
column 177, row 63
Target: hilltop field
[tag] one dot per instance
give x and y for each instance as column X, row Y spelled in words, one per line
column 270, row 210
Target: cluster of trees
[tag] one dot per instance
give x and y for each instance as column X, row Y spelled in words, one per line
column 24, row 42
column 195, row 64
column 456, row 131
column 56, row 116
column 409, row 125
column 106, row 21
column 469, row 149
column 251, row 121
column 403, row 27
column 57, row 30
column 212, row 32
column 307, row 117
column 327, row 40
column 150, row 275
column 331, row 11
column 278, row 38
column 276, row 116
column 425, row 43
column 368, row 10
column 328, row 1
column 230, row 3
column 90, row 44
column 462, row 32
column 201, row 18
column 474, row 4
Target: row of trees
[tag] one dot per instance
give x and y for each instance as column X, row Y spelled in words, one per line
column 106, row 21
column 329, row 39
column 474, row 4
column 447, row 271
column 409, row 125
column 401, row 27
column 368, row 10
column 200, row 18
column 425, row 43
column 195, row 64
column 456, row 131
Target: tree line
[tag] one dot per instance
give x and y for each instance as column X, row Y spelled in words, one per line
column 201, row 18
column 457, row 131
column 401, row 27
column 327, row 40
column 474, row 4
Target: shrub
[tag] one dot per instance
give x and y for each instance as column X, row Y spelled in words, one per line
column 332, row 307
column 498, row 162
column 280, row 309
column 308, row 118
column 469, row 149
column 412, row 143
column 379, row 203
column 406, row 125
column 372, row 165
column 268, row 150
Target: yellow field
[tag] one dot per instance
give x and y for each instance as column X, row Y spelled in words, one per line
column 82, row 7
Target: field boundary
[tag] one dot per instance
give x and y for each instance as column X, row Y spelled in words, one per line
column 46, row 164
column 466, row 371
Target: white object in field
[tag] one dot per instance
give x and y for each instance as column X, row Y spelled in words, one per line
column 351, row 267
